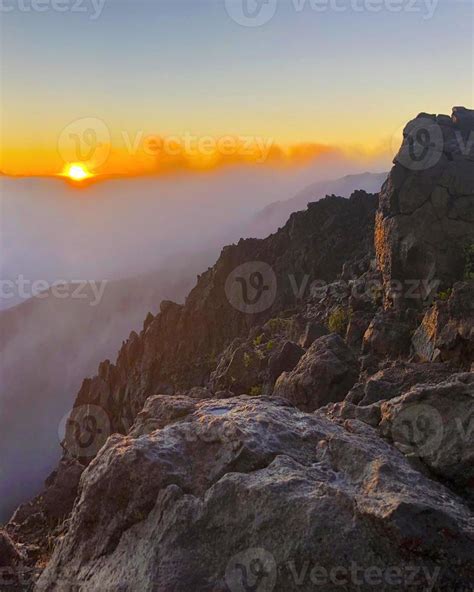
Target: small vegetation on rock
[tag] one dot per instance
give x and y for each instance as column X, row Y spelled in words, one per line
column 279, row 325
column 247, row 360
column 444, row 295
column 270, row 345
column 338, row 320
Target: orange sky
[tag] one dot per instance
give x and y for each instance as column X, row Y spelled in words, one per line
column 151, row 154
column 149, row 87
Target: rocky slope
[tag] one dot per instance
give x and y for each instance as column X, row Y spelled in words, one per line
column 304, row 420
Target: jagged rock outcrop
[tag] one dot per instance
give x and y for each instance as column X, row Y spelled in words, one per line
column 179, row 348
column 160, row 512
column 325, row 374
column 425, row 222
column 38, row 522
column 447, row 330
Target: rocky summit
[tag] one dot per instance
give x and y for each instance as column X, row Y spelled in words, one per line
column 303, row 422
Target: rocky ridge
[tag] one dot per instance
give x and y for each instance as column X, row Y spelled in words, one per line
column 323, row 437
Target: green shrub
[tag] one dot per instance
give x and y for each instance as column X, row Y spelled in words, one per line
column 270, row 345
column 444, row 295
column 258, row 340
column 338, row 320
column 256, row 391
column 276, row 325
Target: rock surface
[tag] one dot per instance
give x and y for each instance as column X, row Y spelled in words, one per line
column 434, row 423
column 447, row 330
column 425, row 223
column 161, row 512
column 9, row 555
column 325, row 374
column 398, row 378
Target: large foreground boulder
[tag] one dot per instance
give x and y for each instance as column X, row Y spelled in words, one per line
column 323, row 375
column 250, row 493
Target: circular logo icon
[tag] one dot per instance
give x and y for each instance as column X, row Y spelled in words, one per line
column 85, row 430
column 422, row 144
column 419, row 427
column 251, row 288
column 251, row 13
column 85, row 140
column 254, row 569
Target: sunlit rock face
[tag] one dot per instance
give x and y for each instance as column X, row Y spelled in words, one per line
column 425, row 223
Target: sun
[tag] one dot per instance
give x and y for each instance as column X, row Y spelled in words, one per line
column 77, row 172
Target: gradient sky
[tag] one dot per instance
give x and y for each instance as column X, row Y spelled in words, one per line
column 348, row 79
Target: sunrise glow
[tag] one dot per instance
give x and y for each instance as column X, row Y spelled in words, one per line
column 77, row 172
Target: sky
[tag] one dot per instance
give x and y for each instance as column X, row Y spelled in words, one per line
column 139, row 86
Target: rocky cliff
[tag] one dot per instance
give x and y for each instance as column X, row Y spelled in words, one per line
column 305, row 419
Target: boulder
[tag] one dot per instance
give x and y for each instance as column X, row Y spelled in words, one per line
column 323, row 375
column 284, row 360
column 435, row 423
column 239, row 369
column 447, row 330
column 387, row 336
column 311, row 499
column 395, row 380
